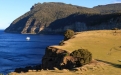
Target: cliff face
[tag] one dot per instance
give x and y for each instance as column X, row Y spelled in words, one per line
column 53, row 58
column 52, row 18
column 61, row 59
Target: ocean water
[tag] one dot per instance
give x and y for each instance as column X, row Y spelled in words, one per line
column 16, row 51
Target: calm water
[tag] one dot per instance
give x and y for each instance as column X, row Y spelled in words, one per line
column 16, row 51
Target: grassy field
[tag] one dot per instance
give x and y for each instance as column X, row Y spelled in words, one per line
column 105, row 46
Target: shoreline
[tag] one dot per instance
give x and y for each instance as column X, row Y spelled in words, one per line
column 56, row 46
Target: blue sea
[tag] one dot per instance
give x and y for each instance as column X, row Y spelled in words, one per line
column 16, row 51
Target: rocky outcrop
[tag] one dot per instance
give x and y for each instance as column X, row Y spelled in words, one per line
column 61, row 59
column 56, row 59
column 53, row 58
column 28, row 68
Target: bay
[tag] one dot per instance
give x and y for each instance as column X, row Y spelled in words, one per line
column 16, row 51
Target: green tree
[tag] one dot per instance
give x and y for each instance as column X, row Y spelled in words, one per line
column 68, row 34
column 83, row 56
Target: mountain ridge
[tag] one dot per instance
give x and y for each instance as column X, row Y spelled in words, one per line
column 55, row 18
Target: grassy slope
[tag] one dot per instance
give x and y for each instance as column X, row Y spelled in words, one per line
column 99, row 43
column 104, row 45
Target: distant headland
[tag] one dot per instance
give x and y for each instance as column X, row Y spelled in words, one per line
column 55, row 18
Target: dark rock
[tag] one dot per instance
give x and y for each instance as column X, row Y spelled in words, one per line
column 27, row 68
column 62, row 59
column 53, row 58
column 18, row 70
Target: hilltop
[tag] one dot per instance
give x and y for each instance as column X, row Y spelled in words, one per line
column 55, row 17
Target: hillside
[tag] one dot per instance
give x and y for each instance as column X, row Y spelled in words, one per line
column 105, row 47
column 102, row 43
column 109, row 8
column 52, row 18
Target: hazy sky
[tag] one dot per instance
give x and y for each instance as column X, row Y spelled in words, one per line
column 12, row 9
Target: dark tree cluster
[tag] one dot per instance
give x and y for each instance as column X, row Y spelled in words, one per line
column 83, row 56
column 68, row 34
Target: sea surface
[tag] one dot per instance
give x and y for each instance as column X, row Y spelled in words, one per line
column 16, row 51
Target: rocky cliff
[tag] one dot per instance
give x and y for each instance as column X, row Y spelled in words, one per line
column 52, row 18
column 61, row 59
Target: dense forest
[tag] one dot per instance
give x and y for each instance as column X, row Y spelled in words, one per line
column 48, row 17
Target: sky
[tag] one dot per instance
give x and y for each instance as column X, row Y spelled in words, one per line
column 12, row 9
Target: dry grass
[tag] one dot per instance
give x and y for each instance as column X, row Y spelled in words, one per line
column 104, row 45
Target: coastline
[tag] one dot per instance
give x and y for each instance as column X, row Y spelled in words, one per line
column 97, row 64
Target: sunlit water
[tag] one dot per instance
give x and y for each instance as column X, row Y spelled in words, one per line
column 16, row 51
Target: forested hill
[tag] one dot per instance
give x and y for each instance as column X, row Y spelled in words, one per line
column 109, row 8
column 51, row 18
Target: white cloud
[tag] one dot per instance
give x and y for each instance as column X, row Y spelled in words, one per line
column 117, row 1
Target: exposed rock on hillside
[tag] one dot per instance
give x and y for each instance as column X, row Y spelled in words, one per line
column 53, row 58
column 61, row 59
column 52, row 18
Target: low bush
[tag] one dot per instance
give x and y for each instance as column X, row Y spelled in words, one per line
column 68, row 34
column 83, row 56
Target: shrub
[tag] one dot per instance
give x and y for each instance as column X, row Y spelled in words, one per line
column 83, row 56
column 68, row 34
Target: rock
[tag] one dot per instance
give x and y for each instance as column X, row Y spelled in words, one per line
column 77, row 69
column 56, row 68
column 28, row 68
column 61, row 59
column 18, row 70
column 83, row 69
column 53, row 58
column 34, row 70
column 68, row 62
column 65, row 70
